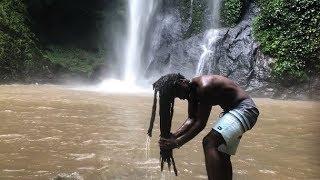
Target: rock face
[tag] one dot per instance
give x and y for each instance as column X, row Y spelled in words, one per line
column 181, row 57
column 233, row 54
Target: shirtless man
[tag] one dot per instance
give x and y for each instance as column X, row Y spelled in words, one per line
column 240, row 115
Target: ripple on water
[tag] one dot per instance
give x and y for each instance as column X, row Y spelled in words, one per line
column 80, row 157
column 72, row 176
column 7, row 111
column 42, row 172
column 49, row 138
column 45, row 108
column 201, row 177
column 90, row 168
column 11, row 136
column 13, row 170
column 112, row 142
column 267, row 171
column 152, row 163
column 241, row 171
column 87, row 142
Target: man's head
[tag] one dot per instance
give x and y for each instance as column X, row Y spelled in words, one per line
column 169, row 87
column 173, row 85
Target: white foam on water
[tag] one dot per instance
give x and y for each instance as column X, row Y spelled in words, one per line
column 80, row 157
column 5, row 136
column 87, row 142
column 201, row 177
column 115, row 86
column 90, row 168
column 242, row 172
column 151, row 161
column 267, row 171
column 42, row 172
column 8, row 111
column 166, row 175
column 72, row 176
column 13, row 170
column 45, row 108
column 49, row 138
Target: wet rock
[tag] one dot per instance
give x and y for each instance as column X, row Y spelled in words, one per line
column 182, row 56
column 233, row 55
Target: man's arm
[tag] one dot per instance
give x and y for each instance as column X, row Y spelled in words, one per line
column 200, row 116
column 189, row 121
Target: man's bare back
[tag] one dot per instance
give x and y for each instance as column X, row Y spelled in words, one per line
column 217, row 90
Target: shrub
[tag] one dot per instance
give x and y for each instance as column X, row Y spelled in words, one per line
column 231, row 11
column 20, row 56
column 289, row 31
column 197, row 15
column 75, row 60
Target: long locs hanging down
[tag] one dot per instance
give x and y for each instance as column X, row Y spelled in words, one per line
column 165, row 155
column 153, row 113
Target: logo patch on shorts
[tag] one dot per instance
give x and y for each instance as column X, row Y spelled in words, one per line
column 219, row 127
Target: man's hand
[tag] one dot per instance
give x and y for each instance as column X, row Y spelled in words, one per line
column 170, row 143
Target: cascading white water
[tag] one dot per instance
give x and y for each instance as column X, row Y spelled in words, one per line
column 209, row 40
column 210, row 36
column 140, row 12
column 215, row 13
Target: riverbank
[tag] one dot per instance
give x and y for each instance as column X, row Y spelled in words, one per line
column 309, row 90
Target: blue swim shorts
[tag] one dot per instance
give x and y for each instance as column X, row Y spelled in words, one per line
column 234, row 123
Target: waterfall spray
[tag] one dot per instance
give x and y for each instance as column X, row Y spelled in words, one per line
column 140, row 12
column 209, row 40
column 215, row 13
column 210, row 37
column 139, row 15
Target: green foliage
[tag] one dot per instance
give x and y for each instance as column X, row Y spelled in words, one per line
column 289, row 31
column 185, row 9
column 77, row 28
column 20, row 56
column 231, row 11
column 75, row 60
column 195, row 12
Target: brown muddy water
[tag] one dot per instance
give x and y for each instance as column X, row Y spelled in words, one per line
column 49, row 130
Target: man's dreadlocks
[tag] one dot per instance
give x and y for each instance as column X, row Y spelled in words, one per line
column 165, row 86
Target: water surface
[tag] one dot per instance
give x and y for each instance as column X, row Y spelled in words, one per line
column 48, row 130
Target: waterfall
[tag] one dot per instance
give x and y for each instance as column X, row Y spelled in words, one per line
column 210, row 37
column 215, row 13
column 209, row 40
column 140, row 12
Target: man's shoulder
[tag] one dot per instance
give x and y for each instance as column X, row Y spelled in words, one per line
column 205, row 81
